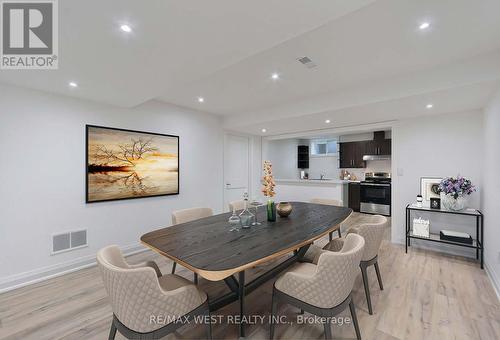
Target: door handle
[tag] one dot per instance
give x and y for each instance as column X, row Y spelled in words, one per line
column 228, row 184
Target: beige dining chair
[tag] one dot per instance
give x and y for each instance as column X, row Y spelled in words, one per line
column 328, row 201
column 323, row 289
column 146, row 303
column 188, row 215
column 236, row 205
column 373, row 233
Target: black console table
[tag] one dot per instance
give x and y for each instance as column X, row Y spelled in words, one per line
column 477, row 243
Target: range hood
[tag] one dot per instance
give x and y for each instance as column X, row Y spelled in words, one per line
column 378, row 139
column 376, row 157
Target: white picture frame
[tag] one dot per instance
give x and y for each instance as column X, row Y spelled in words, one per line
column 428, row 186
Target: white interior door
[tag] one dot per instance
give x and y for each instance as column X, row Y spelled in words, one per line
column 236, row 168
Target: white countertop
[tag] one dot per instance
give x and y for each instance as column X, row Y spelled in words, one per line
column 313, row 181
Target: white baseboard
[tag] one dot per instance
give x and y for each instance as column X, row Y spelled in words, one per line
column 493, row 278
column 33, row 276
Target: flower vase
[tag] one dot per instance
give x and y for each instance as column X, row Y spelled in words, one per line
column 449, row 202
column 271, row 211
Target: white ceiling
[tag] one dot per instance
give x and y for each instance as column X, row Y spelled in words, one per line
column 374, row 63
column 173, row 43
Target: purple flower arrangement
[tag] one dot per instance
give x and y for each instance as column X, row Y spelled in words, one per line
column 456, row 187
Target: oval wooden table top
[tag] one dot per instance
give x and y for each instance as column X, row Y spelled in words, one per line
column 207, row 247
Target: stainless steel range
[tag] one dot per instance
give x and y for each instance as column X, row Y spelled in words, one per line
column 376, row 193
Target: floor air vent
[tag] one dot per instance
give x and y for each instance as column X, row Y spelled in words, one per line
column 69, row 241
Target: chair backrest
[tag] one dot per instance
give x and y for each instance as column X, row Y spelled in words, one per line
column 191, row 214
column 136, row 293
column 132, row 291
column 236, row 205
column 327, row 201
column 373, row 233
column 336, row 272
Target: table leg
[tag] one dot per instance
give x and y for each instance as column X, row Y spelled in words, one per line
column 406, row 231
column 241, row 297
column 482, row 240
column 477, row 237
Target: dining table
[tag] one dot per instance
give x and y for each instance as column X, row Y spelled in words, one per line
column 211, row 248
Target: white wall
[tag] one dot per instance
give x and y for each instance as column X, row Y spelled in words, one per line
column 43, row 176
column 491, row 190
column 435, row 146
column 283, row 155
column 326, row 165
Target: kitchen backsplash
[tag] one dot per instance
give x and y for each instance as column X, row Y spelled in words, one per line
column 371, row 166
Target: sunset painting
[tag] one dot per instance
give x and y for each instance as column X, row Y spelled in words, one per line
column 125, row 164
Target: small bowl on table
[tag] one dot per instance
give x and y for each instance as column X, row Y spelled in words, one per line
column 284, row 209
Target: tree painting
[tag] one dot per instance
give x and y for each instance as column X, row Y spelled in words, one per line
column 130, row 164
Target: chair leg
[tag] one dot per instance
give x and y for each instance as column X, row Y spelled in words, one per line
column 377, row 269
column 330, row 236
column 355, row 319
column 328, row 329
column 112, row 331
column 173, row 267
column 367, row 289
column 340, row 235
column 273, row 316
column 195, row 278
column 209, row 324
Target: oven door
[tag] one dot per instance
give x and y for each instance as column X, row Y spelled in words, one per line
column 376, row 198
column 378, row 193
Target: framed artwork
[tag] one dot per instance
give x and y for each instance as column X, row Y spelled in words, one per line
column 125, row 164
column 429, row 188
column 435, row 203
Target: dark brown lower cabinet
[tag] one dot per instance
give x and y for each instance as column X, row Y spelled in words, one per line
column 354, row 196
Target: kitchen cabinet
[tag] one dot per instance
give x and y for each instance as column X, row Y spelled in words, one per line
column 378, row 147
column 303, row 157
column 354, row 196
column 351, row 155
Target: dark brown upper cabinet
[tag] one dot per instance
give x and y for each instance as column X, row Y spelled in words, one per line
column 351, row 155
column 303, row 157
column 378, row 147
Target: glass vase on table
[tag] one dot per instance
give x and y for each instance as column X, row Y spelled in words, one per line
column 234, row 221
column 246, row 217
column 255, row 210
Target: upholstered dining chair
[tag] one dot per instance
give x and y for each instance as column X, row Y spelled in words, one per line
column 188, row 215
column 323, row 289
column 236, row 205
column 146, row 303
column 328, row 201
column 373, row 233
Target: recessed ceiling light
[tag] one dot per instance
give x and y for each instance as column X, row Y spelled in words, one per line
column 429, row 106
column 264, row 130
column 73, row 84
column 126, row 28
column 201, row 99
column 424, row 25
column 275, row 76
column 327, row 121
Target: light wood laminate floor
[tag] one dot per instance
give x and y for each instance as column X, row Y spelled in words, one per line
column 427, row 295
